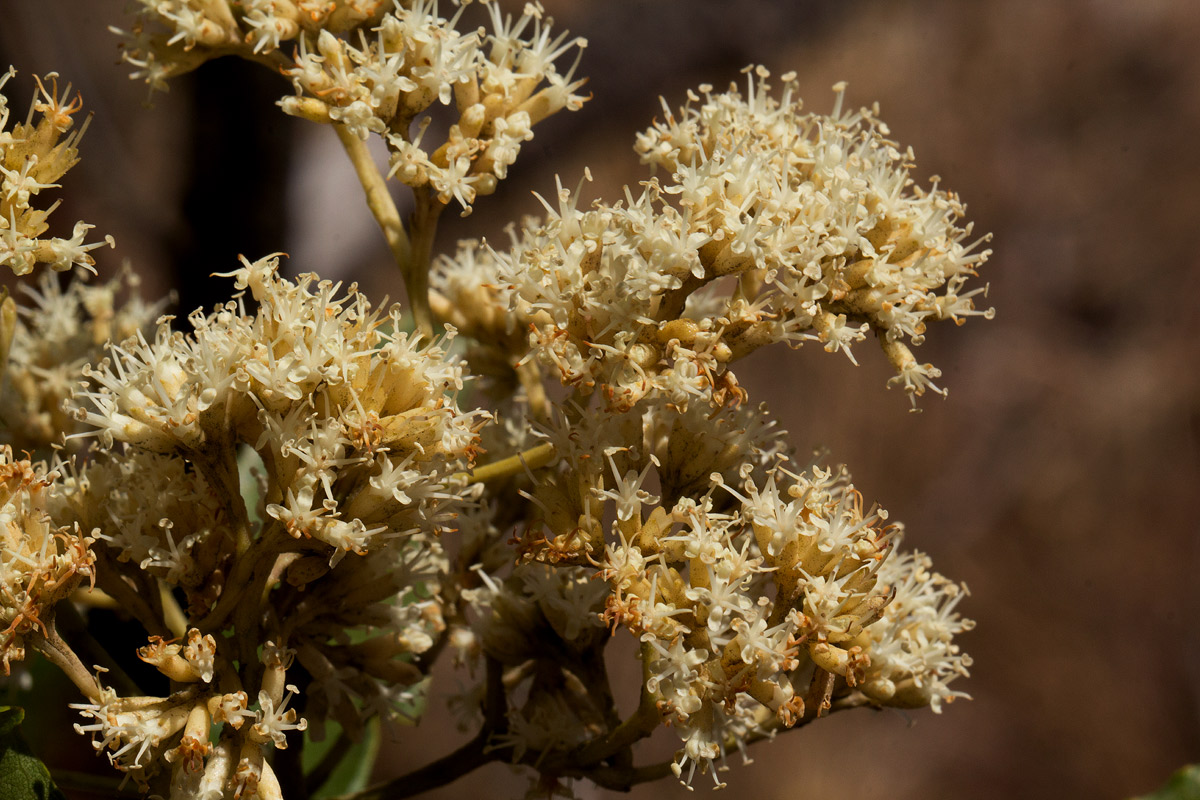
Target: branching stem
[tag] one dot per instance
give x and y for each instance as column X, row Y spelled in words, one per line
column 640, row 724
column 60, row 654
column 468, row 758
column 383, row 208
column 264, row 549
column 75, row 629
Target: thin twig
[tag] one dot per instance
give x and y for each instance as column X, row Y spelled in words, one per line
column 75, row 629
column 530, row 376
column 449, row 768
column 59, row 653
column 495, row 704
column 468, row 758
column 640, row 724
column 776, row 728
column 128, row 597
column 75, row 781
column 622, row 779
column 93, row 597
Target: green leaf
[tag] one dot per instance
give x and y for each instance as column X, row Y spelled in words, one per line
column 10, row 719
column 22, row 774
column 1183, row 785
column 353, row 771
column 249, row 462
column 410, row 712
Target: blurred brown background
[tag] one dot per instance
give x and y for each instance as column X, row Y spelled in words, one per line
column 1058, row 477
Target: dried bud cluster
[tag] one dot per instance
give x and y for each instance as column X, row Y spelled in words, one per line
column 33, row 156
column 40, row 562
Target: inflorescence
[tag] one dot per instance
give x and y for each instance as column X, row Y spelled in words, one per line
column 289, row 491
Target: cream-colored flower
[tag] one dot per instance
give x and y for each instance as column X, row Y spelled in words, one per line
column 769, row 225
column 34, row 155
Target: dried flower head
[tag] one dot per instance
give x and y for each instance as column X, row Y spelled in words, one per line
column 41, row 563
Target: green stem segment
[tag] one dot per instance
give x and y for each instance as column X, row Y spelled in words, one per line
column 423, row 225
column 412, row 256
column 533, row 458
column 640, row 724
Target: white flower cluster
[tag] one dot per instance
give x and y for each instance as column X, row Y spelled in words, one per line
column 773, row 226
column 762, row 593
column 158, row 513
column 378, row 67
column 269, row 483
column 354, row 419
column 913, row 653
column 171, row 37
column 824, row 208
column 501, row 85
column 58, row 333
column 32, row 158
column 359, row 436
column 746, row 583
